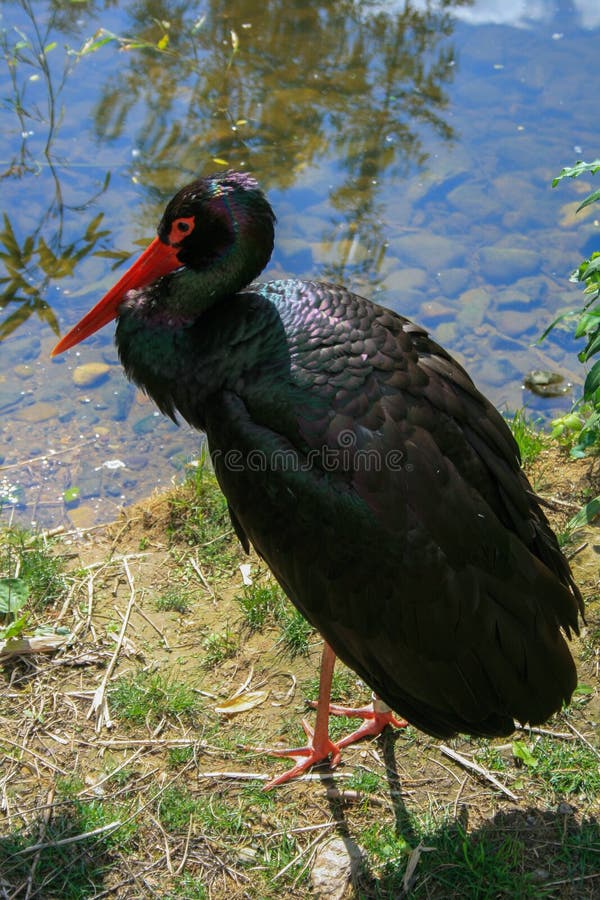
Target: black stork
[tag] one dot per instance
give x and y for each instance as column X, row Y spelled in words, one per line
column 359, row 459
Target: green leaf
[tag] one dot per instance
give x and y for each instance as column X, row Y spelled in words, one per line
column 592, row 348
column 591, row 265
column 47, row 315
column 52, row 265
column 15, row 320
column 71, row 495
column 578, row 169
column 90, row 231
column 121, row 255
column 9, row 240
column 591, row 198
column 592, row 381
column 565, row 315
column 586, row 515
column 15, row 629
column 521, row 751
column 13, row 595
column 92, row 45
column 588, row 321
column 48, row 260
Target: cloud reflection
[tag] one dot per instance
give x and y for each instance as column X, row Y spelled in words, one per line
column 515, row 13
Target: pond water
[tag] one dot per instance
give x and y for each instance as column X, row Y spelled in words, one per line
column 408, row 150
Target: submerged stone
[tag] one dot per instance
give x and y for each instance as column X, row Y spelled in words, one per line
column 23, row 371
column 82, row 516
column 37, row 412
column 90, row 374
column 452, row 281
column 508, row 263
column 405, row 279
column 430, row 250
column 473, row 306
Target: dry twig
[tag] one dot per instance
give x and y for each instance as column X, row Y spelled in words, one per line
column 99, row 703
column 474, row 767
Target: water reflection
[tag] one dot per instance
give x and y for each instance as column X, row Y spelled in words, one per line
column 245, row 88
column 279, row 88
column 518, row 13
column 42, row 256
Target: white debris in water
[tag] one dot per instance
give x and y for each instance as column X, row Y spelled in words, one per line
column 111, row 464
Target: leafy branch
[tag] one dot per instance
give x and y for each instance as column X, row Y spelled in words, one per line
column 29, row 268
column 584, row 419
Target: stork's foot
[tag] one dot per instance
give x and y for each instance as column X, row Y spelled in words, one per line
column 315, row 752
column 376, row 716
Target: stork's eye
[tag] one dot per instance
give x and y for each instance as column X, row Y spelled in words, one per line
column 179, row 229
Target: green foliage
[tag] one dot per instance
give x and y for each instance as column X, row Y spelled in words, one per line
column 259, row 602
column 68, row 867
column 295, row 631
column 148, row 697
column 188, row 887
column 14, row 594
column 199, row 517
column 528, row 435
column 29, row 264
column 365, row 781
column 568, row 768
column 177, row 805
column 180, row 756
column 218, row 646
column 42, row 570
column 173, row 600
column 585, row 516
column 523, row 754
column 586, row 322
column 343, row 685
column 31, row 576
column 489, row 756
column 71, row 496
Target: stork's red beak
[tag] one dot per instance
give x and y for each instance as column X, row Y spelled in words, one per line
column 158, row 259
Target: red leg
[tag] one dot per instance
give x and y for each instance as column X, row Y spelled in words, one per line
column 319, row 745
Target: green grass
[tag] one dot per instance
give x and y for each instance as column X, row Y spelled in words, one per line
column 528, row 435
column 483, row 864
column 260, row 603
column 178, row 757
column 188, row 887
column 296, row 632
column 239, row 832
column 567, row 768
column 218, row 646
column 173, row 600
column 478, row 865
column 365, row 781
column 177, row 805
column 147, row 697
column 343, row 686
column 31, row 559
column 488, row 755
column 66, row 872
column 71, row 871
column 199, row 517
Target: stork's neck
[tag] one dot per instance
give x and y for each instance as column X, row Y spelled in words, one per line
column 185, row 295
